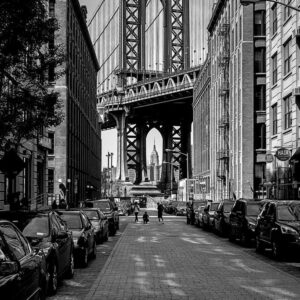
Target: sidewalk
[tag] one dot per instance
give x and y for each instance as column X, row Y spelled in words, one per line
column 177, row 261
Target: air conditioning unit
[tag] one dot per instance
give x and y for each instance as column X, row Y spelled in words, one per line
column 297, row 32
column 296, row 91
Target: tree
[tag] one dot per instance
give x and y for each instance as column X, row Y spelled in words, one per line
column 30, row 62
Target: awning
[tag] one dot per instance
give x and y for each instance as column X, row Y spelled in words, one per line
column 295, row 157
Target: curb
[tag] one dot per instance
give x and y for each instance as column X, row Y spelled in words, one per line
column 99, row 277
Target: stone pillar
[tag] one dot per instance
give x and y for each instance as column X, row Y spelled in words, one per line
column 167, row 144
column 186, row 147
column 122, row 170
column 143, row 152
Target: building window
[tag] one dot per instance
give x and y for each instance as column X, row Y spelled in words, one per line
column 260, row 136
column 287, row 10
column 260, row 60
column 274, row 119
column 260, row 97
column 274, row 19
column 274, row 69
column 287, row 112
column 50, row 181
column 287, row 52
column 260, row 23
column 51, row 137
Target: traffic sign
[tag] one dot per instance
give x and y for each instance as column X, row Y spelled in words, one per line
column 283, row 154
column 269, row 157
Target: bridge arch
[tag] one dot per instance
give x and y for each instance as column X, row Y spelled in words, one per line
column 186, row 79
column 156, row 87
column 154, row 155
column 131, row 93
column 171, row 83
column 143, row 90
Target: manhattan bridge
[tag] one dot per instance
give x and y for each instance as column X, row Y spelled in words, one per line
column 158, row 63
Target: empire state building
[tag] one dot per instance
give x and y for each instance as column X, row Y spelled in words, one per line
column 154, row 168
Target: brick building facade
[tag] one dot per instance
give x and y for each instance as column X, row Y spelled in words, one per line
column 75, row 160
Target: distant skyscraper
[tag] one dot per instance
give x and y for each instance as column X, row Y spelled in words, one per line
column 154, row 168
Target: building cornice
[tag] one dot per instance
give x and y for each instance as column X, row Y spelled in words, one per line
column 215, row 15
column 86, row 33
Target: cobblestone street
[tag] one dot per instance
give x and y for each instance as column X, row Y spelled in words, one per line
column 178, row 261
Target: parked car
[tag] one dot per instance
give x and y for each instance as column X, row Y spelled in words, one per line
column 181, row 209
column 47, row 232
column 170, row 208
column 278, row 226
column 22, row 269
column 190, row 210
column 242, row 220
column 110, row 209
column 221, row 221
column 198, row 216
column 208, row 216
column 100, row 223
column 83, row 235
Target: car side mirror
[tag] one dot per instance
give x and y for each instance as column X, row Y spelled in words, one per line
column 9, row 268
column 54, row 234
column 62, row 235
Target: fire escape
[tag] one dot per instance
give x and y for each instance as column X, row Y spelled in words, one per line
column 223, row 122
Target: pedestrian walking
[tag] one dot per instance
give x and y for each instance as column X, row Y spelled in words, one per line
column 145, row 217
column 136, row 211
column 160, row 209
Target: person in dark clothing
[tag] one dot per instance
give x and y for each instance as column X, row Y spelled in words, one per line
column 136, row 211
column 160, row 209
column 145, row 217
column 62, row 204
column 54, row 205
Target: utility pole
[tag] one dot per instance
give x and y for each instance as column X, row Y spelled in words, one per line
column 107, row 173
column 111, row 173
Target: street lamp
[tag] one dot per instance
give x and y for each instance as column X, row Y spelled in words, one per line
column 187, row 168
column 172, row 164
column 68, row 191
column 247, row 2
column 187, row 160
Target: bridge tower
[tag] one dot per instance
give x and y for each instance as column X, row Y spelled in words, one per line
column 132, row 131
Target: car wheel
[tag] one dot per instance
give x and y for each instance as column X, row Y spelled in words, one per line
column 231, row 236
column 245, row 239
column 70, row 270
column 277, row 250
column 94, row 253
column 85, row 257
column 52, row 277
column 106, row 236
column 112, row 230
column 259, row 247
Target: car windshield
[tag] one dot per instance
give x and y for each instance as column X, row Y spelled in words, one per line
column 214, row 206
column 37, row 227
column 289, row 212
column 197, row 205
column 253, row 209
column 102, row 205
column 92, row 214
column 73, row 220
column 227, row 207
